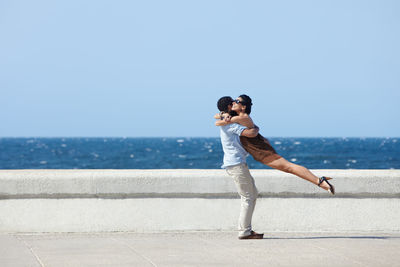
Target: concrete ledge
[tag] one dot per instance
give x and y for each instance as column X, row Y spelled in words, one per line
column 179, row 200
column 15, row 184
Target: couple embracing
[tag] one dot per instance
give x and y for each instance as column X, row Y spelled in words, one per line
column 240, row 137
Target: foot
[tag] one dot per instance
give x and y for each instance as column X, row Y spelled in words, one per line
column 323, row 182
column 252, row 235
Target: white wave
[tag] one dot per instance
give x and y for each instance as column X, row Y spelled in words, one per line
column 180, row 140
column 63, row 145
column 182, row 156
column 277, row 143
column 30, row 141
column 352, row 160
column 148, row 149
column 43, row 162
column 210, row 150
column 326, row 161
column 131, row 156
column 293, row 160
column 297, row 143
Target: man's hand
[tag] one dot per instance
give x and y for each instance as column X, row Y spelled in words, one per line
column 253, row 132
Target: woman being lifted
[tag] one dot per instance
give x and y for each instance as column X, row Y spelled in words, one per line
column 237, row 111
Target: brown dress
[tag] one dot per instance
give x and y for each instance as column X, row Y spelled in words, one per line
column 260, row 148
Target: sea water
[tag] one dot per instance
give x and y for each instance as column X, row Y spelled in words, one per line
column 191, row 153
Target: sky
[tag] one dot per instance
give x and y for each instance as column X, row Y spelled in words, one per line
column 157, row 68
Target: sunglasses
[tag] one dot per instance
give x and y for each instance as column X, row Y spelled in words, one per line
column 237, row 101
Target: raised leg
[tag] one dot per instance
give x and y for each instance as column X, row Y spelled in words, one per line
column 298, row 170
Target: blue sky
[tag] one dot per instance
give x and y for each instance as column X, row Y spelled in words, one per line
column 157, row 68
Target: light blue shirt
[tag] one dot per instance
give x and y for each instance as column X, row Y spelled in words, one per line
column 234, row 153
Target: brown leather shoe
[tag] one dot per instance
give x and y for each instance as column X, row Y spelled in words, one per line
column 252, row 235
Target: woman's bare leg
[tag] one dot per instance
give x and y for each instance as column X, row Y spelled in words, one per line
column 300, row 171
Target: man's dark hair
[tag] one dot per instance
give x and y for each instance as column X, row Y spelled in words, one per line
column 224, row 102
column 246, row 102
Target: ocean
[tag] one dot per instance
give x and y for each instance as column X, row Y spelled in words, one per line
column 191, row 153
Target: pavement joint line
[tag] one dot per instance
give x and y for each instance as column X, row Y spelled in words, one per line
column 31, row 250
column 134, row 250
column 221, row 246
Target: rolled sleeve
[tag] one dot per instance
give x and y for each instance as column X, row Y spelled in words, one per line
column 236, row 129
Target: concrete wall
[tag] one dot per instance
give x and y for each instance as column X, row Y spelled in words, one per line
column 170, row 200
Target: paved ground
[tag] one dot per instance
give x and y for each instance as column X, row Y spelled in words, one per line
column 199, row 249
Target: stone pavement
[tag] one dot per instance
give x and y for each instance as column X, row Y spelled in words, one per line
column 199, row 249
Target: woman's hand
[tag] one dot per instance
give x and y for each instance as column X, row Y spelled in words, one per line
column 225, row 120
column 228, row 118
column 218, row 116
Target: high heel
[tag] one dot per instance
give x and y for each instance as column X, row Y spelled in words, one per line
column 325, row 179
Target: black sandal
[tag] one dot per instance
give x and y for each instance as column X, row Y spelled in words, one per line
column 325, row 179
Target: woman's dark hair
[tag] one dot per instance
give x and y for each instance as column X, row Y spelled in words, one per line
column 233, row 113
column 246, row 101
column 224, row 102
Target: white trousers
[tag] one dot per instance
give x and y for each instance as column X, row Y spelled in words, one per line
column 248, row 193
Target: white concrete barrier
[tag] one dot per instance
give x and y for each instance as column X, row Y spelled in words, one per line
column 176, row 200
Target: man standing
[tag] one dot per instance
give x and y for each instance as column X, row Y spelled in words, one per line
column 236, row 167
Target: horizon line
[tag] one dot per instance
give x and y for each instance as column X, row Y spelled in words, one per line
column 124, row 137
